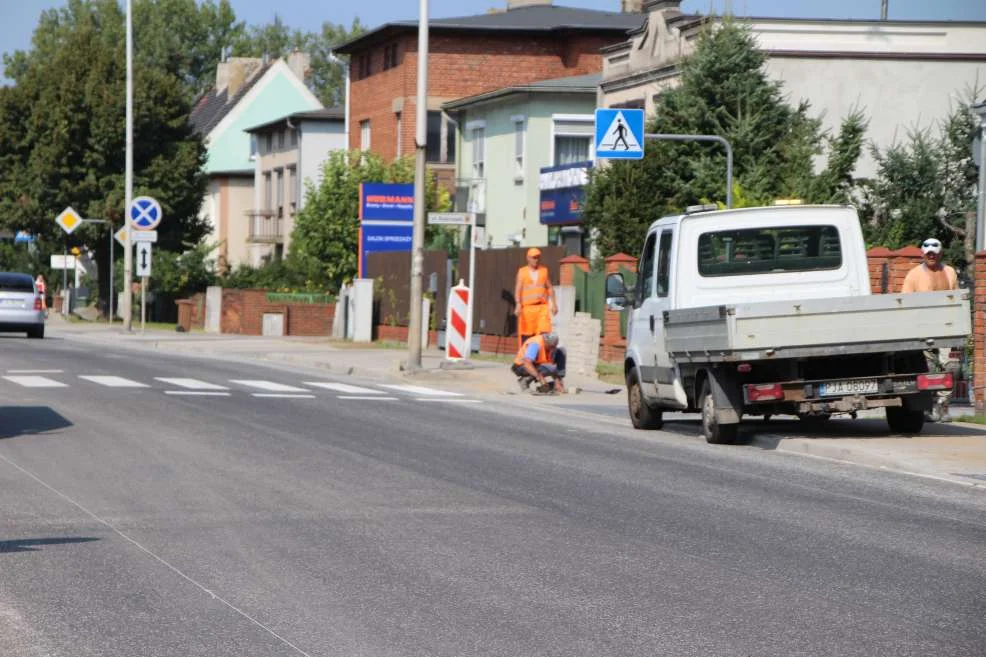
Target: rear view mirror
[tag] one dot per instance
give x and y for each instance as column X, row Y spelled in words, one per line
column 616, row 293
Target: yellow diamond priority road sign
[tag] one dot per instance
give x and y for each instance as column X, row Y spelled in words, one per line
column 69, row 220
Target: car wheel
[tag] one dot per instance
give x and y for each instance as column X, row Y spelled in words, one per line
column 715, row 433
column 904, row 420
column 642, row 415
column 36, row 333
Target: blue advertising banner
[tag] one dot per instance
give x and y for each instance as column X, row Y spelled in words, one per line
column 378, row 237
column 386, row 202
column 563, row 192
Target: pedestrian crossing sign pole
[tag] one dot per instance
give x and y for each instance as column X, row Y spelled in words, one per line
column 620, row 134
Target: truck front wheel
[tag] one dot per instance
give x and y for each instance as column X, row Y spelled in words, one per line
column 642, row 415
column 715, row 433
column 905, row 420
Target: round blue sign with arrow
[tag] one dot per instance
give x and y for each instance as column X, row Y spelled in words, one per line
column 145, row 213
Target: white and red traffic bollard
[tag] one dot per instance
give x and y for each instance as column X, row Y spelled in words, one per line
column 458, row 327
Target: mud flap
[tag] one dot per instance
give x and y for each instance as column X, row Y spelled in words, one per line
column 728, row 396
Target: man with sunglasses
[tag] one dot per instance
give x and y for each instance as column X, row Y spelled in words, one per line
column 933, row 276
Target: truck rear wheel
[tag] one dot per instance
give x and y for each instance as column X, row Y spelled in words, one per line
column 641, row 415
column 715, row 433
column 905, row 420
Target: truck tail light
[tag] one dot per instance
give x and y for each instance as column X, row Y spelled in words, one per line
column 37, row 303
column 764, row 392
column 935, row 381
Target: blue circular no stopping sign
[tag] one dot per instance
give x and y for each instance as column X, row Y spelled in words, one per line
column 145, row 213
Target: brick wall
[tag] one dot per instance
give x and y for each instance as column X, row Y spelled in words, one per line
column 892, row 266
column 243, row 313
column 459, row 65
column 979, row 336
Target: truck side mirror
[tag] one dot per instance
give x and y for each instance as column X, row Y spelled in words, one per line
column 616, row 293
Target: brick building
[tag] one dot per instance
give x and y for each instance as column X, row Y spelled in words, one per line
column 531, row 40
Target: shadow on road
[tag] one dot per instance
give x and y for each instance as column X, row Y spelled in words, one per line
column 26, row 420
column 34, row 544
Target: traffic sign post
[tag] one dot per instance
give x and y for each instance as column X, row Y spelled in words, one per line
column 145, row 213
column 144, row 271
column 620, row 134
column 69, row 220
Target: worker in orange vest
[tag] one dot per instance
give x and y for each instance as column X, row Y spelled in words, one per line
column 533, row 293
column 539, row 358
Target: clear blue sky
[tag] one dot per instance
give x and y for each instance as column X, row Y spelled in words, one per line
column 20, row 16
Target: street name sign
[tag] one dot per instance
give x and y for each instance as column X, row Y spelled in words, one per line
column 63, row 262
column 145, row 213
column 69, row 220
column 143, row 259
column 449, row 218
column 620, row 134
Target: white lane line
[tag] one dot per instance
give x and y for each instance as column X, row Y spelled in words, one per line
column 191, row 384
column 420, row 390
column 196, row 393
column 358, row 397
column 282, row 395
column 114, row 381
column 35, row 382
column 270, row 386
column 35, row 371
column 448, row 401
column 343, row 387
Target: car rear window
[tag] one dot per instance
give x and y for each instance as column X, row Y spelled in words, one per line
column 769, row 250
column 16, row 283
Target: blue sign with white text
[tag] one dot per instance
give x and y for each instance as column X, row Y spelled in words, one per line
column 379, row 238
column 386, row 201
column 562, row 191
column 620, row 134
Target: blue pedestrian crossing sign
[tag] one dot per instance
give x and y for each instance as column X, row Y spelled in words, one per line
column 145, row 213
column 620, row 134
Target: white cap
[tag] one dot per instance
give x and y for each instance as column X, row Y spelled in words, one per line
column 931, row 245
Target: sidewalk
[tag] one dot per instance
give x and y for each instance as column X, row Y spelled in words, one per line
column 953, row 452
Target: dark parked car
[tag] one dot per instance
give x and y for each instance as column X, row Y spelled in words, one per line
column 20, row 305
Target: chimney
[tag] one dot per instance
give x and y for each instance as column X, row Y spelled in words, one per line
column 517, row 4
column 632, row 6
column 232, row 73
column 300, row 64
column 658, row 5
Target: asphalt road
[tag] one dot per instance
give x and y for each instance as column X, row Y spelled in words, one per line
column 151, row 521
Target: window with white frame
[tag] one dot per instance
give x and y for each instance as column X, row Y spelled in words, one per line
column 364, row 135
column 572, row 138
column 520, row 139
column 478, row 138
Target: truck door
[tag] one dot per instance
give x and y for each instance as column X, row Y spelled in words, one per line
column 664, row 371
column 643, row 321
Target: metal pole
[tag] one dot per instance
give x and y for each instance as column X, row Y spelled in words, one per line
column 143, row 302
column 345, row 66
column 112, row 284
column 420, row 181
column 715, row 138
column 472, row 283
column 883, row 9
column 65, row 278
column 981, row 202
column 126, row 303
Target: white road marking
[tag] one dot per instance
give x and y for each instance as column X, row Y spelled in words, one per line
column 420, row 390
column 114, row 381
column 35, row 371
column 355, row 398
column 448, row 401
column 196, row 393
column 343, row 387
column 282, row 395
column 266, row 385
column 191, row 384
column 35, row 382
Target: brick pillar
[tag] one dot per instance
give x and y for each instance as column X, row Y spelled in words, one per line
column 903, row 261
column 878, row 258
column 567, row 267
column 613, row 344
column 978, row 392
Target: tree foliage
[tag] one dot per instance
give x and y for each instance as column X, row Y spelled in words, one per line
column 326, row 231
column 724, row 90
column 925, row 186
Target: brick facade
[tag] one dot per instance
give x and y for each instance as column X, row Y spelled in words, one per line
column 243, row 313
column 460, row 64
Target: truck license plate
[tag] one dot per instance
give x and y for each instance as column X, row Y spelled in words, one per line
column 847, row 388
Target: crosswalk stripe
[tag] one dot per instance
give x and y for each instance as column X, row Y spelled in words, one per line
column 114, row 381
column 343, row 387
column 197, row 393
column 362, row 398
column 425, row 392
column 281, row 395
column 448, row 401
column 266, row 385
column 35, row 382
column 35, row 371
column 190, row 384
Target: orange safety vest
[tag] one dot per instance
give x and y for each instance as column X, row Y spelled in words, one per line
column 542, row 351
column 536, row 292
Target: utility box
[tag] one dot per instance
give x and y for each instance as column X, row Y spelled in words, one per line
column 273, row 325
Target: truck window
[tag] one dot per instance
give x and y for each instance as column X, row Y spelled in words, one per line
column 769, row 250
column 645, row 272
column 664, row 264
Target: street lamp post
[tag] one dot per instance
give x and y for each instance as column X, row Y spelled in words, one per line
column 345, row 67
column 420, row 179
column 980, row 111
column 128, row 254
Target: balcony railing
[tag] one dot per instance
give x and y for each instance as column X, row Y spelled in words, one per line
column 266, row 227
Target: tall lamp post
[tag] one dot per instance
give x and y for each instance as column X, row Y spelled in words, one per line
column 345, row 67
column 980, row 111
column 420, row 180
column 126, row 299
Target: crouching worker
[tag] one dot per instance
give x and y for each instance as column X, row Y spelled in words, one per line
column 540, row 359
